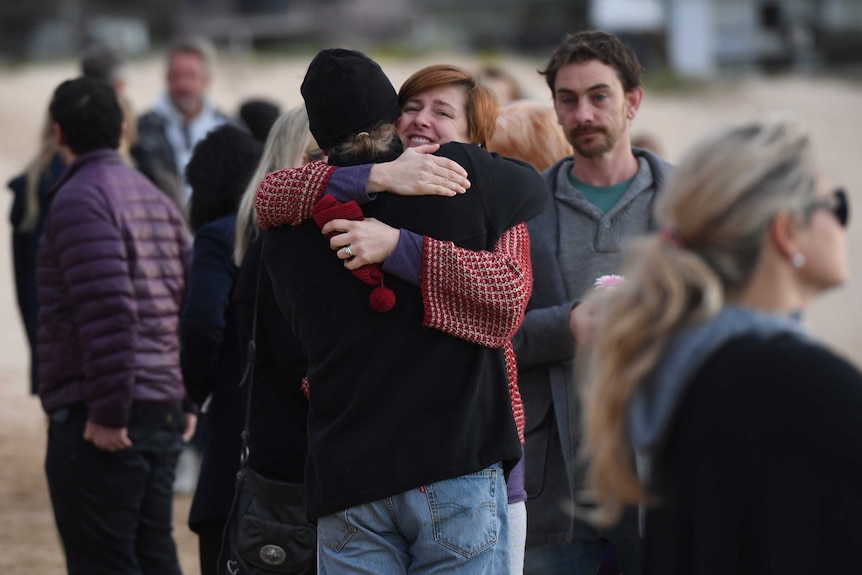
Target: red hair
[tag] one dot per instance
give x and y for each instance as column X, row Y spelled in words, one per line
column 482, row 105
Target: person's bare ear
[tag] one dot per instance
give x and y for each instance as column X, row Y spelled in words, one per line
column 782, row 234
column 633, row 102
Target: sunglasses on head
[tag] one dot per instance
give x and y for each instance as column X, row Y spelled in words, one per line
column 836, row 202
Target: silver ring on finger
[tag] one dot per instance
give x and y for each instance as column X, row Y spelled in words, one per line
column 348, row 251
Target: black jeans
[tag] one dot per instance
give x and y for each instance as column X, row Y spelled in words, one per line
column 209, row 545
column 587, row 551
column 114, row 510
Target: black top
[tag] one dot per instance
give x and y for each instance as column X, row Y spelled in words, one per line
column 763, row 471
column 394, row 405
column 211, row 363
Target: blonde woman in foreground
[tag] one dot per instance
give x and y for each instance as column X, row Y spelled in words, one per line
column 747, row 432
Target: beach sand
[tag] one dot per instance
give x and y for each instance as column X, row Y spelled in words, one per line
column 28, row 539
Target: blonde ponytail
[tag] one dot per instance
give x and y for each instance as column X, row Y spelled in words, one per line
column 666, row 287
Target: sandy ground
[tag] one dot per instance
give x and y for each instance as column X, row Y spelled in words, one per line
column 28, row 539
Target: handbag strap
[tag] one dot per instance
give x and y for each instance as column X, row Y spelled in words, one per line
column 248, row 374
column 247, row 379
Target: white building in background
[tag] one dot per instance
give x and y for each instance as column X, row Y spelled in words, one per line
column 692, row 37
column 691, row 42
column 703, row 37
column 627, row 15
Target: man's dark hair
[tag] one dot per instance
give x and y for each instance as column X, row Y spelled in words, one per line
column 595, row 45
column 88, row 114
column 219, row 171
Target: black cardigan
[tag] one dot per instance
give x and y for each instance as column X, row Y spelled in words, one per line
column 763, row 470
column 278, row 442
column 210, row 360
column 393, row 405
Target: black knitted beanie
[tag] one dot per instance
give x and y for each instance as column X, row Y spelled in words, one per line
column 345, row 93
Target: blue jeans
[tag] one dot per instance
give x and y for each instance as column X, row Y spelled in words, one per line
column 458, row 526
column 114, row 510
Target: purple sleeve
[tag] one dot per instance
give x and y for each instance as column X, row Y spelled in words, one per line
column 515, row 490
column 348, row 184
column 405, row 261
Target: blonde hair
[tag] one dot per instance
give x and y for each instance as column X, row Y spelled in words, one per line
column 495, row 77
column 528, row 131
column 289, row 145
column 36, row 169
column 714, row 215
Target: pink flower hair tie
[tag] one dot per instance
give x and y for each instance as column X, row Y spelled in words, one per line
column 609, row 281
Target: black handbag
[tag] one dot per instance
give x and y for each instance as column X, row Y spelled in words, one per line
column 268, row 530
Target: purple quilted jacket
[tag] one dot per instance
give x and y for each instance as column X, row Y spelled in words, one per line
column 111, row 274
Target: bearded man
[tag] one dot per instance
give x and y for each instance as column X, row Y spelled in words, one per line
column 601, row 195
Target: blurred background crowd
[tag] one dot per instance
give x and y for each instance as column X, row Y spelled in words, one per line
column 688, row 37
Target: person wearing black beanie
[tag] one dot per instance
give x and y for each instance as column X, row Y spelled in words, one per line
column 258, row 116
column 346, row 93
column 405, row 423
column 218, row 172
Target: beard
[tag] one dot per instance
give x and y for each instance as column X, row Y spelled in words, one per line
column 598, row 143
column 594, row 140
column 188, row 105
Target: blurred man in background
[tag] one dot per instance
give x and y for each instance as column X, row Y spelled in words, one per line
column 180, row 118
